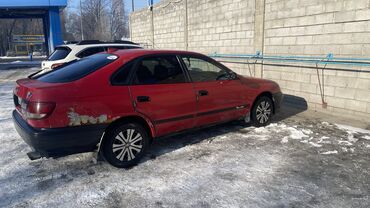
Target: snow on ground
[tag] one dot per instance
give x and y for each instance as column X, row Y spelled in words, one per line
column 289, row 163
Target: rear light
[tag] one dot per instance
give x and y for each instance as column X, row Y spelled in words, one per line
column 37, row 110
column 56, row 65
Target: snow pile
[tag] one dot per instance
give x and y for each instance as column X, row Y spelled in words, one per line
column 352, row 130
column 367, row 137
column 276, row 130
column 340, row 138
column 329, row 152
column 354, row 135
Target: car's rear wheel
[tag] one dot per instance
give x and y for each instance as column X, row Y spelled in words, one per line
column 262, row 111
column 125, row 145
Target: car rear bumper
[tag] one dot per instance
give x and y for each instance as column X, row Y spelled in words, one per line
column 58, row 142
column 277, row 98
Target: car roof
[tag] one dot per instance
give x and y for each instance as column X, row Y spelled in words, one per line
column 76, row 46
column 132, row 53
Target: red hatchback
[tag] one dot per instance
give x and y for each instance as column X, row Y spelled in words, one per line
column 121, row 101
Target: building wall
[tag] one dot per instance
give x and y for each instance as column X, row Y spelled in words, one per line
column 274, row 27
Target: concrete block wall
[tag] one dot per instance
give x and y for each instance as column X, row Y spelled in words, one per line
column 160, row 27
column 316, row 28
column 274, row 27
column 223, row 26
column 169, row 25
column 141, row 27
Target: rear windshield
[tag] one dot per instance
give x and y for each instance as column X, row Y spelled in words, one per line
column 76, row 69
column 59, row 53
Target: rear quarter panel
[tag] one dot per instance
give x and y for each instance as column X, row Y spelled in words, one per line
column 90, row 100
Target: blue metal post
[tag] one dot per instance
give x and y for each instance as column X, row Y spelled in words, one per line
column 54, row 31
column 45, row 26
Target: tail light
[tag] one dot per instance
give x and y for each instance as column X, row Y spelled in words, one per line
column 38, row 110
column 56, row 65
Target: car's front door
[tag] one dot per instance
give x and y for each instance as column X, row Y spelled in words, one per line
column 162, row 92
column 219, row 93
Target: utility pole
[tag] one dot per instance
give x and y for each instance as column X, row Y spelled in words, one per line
column 81, row 25
column 133, row 5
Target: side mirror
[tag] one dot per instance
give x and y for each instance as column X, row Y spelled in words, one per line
column 233, row 76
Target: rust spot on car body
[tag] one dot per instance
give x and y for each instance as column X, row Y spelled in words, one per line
column 75, row 119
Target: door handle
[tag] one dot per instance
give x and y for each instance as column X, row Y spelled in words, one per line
column 203, row 92
column 142, row 99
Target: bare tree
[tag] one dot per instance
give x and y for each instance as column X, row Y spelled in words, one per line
column 117, row 20
column 72, row 26
column 7, row 27
column 102, row 20
column 67, row 36
column 94, row 18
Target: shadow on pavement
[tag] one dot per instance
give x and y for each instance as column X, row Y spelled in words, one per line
column 291, row 105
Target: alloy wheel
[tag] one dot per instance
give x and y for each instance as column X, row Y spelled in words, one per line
column 263, row 112
column 127, row 145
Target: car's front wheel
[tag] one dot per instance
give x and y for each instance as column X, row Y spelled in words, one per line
column 262, row 111
column 125, row 145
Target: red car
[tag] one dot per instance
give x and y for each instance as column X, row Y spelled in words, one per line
column 119, row 102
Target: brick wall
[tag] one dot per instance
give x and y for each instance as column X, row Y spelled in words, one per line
column 275, row 27
column 169, row 25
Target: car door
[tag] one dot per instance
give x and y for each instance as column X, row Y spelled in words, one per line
column 162, row 92
column 218, row 90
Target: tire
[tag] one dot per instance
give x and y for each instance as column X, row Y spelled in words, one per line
column 262, row 111
column 125, row 145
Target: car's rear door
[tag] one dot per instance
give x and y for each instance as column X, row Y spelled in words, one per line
column 219, row 94
column 161, row 91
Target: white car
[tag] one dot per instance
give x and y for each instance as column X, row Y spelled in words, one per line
column 69, row 52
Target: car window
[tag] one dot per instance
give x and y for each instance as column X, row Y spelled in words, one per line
column 121, row 77
column 90, row 51
column 59, row 53
column 203, row 71
column 76, row 69
column 159, row 70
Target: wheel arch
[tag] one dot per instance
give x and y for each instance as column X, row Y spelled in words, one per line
column 147, row 125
